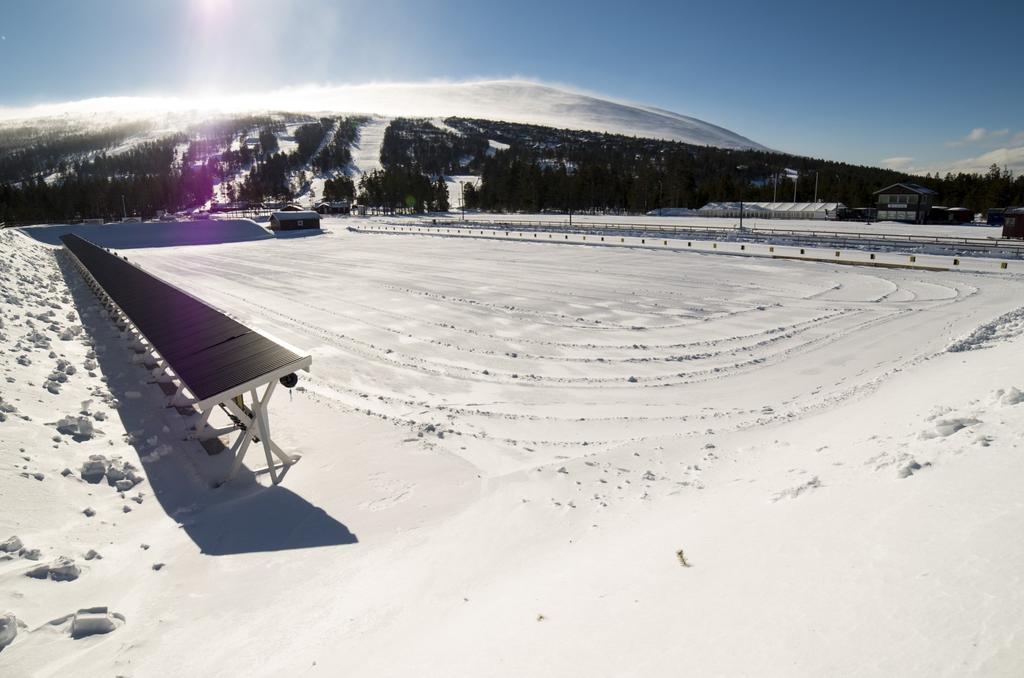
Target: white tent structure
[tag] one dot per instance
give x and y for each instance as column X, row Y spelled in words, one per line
column 772, row 210
column 673, row 212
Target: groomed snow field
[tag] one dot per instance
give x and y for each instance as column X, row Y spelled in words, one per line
column 525, row 459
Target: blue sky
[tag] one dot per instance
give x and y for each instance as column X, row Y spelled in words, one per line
column 924, row 85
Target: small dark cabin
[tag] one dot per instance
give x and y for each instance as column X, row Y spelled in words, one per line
column 294, row 221
column 1013, row 222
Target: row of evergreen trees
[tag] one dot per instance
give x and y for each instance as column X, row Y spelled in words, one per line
column 338, row 188
column 420, row 145
column 337, row 153
column 89, row 196
column 325, row 145
column 400, row 189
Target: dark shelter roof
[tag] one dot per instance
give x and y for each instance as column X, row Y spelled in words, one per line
column 210, row 352
column 914, row 188
column 295, row 216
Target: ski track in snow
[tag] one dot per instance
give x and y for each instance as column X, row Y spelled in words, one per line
column 569, row 349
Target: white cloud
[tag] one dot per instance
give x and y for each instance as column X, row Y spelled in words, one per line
column 976, row 135
column 1010, row 158
column 899, row 162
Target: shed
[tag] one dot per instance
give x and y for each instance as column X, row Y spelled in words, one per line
column 772, row 210
column 959, row 215
column 1013, row 222
column 294, row 221
column 333, row 207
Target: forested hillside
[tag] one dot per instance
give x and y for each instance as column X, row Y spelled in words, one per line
column 60, row 173
column 531, row 168
column 60, row 176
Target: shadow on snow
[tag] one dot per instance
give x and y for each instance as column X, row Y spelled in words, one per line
column 155, row 234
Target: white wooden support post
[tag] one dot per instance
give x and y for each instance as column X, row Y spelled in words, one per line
column 203, row 419
column 245, row 438
column 258, row 426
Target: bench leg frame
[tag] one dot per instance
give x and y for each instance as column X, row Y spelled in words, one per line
column 256, row 427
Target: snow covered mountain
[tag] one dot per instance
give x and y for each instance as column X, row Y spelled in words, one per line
column 508, row 100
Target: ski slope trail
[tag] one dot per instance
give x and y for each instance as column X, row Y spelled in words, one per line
column 366, row 149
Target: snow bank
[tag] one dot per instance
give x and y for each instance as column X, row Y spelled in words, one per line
column 1003, row 328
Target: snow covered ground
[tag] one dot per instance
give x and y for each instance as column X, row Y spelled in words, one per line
column 529, row 459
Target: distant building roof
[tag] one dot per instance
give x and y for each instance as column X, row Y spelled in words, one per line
column 294, row 216
column 915, row 188
column 774, row 206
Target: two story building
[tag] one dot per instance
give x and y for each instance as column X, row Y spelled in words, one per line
column 905, row 202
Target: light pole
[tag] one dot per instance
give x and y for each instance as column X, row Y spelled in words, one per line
column 742, row 191
column 124, row 209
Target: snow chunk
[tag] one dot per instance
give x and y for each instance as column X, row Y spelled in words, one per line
column 80, row 428
column 8, row 629
column 62, row 569
column 11, row 545
column 95, row 620
column 94, row 469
